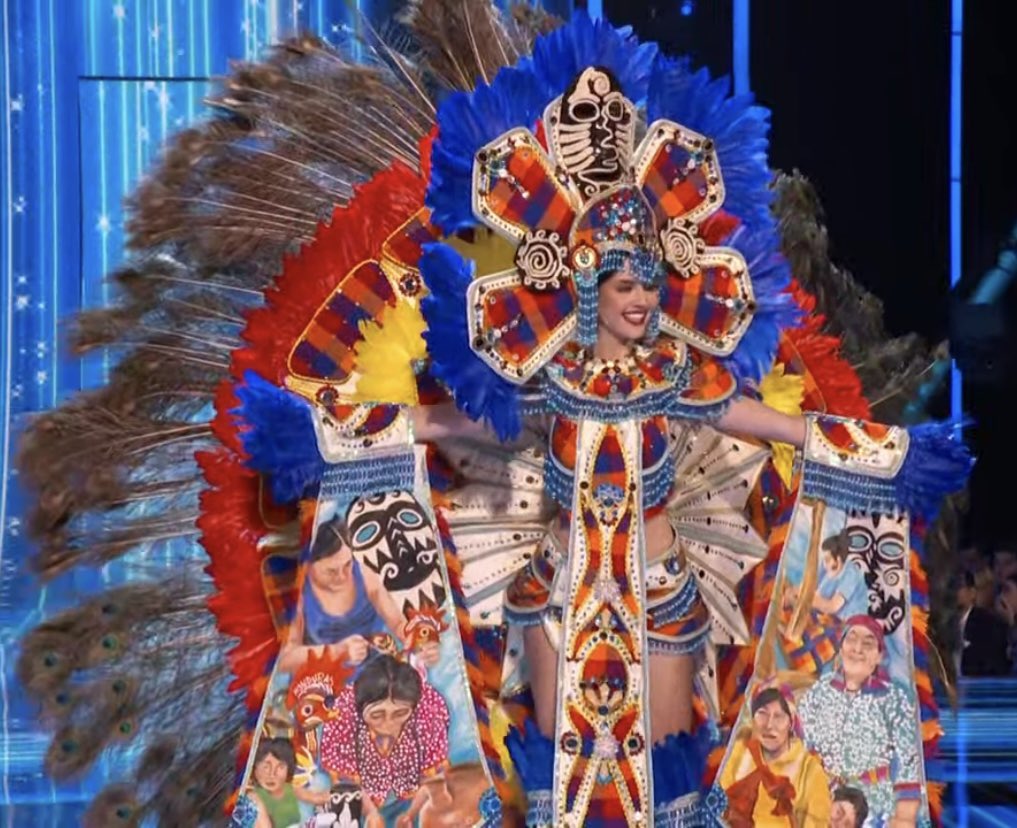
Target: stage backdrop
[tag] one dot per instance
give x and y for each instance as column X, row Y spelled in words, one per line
column 90, row 90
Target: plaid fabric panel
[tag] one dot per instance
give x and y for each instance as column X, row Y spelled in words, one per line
column 325, row 349
column 564, row 434
column 655, row 441
column 405, row 246
column 696, row 303
column 673, row 188
column 527, row 196
column 708, row 380
column 819, row 644
column 838, row 433
column 526, row 318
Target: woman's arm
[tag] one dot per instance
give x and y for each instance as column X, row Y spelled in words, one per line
column 433, row 422
column 750, row 418
column 381, row 598
column 831, row 605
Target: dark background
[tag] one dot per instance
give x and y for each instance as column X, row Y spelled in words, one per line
column 860, row 94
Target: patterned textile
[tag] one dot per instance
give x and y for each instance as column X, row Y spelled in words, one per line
column 867, row 739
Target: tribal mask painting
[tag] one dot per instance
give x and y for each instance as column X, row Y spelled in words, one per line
column 391, row 534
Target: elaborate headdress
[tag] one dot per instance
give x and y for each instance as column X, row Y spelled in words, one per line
column 582, row 172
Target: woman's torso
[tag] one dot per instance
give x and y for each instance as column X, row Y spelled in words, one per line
column 324, row 627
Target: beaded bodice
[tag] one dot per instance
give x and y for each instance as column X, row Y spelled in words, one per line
column 651, row 386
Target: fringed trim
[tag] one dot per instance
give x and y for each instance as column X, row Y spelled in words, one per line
column 683, row 812
column 540, row 811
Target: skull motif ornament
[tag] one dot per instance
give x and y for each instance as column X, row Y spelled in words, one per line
column 593, row 131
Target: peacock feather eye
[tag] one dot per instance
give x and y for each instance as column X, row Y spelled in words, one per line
column 50, row 659
column 126, row 728
column 62, row 698
column 119, row 686
column 124, row 812
column 110, row 642
column 69, row 746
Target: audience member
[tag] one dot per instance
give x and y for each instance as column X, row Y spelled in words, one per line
column 984, row 634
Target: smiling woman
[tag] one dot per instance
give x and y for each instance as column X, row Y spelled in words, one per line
column 625, row 310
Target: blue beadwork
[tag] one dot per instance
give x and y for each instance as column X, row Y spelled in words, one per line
column 664, row 402
column 714, row 807
column 490, row 809
column 589, row 298
column 388, row 472
column 658, row 482
column 847, row 490
column 245, row 813
column 678, row 605
column 695, row 644
column 541, row 809
column 652, row 327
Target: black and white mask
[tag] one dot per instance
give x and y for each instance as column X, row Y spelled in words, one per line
column 391, row 534
column 879, row 545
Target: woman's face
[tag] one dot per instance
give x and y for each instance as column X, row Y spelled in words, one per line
column 387, row 717
column 625, row 305
column 860, row 654
column 332, row 574
column 772, row 727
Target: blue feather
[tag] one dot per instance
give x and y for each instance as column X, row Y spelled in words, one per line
column 679, row 762
column 938, row 463
column 466, row 122
column 776, row 309
column 532, row 755
column 737, row 126
column 562, row 54
column 477, row 390
column 277, row 434
column 517, row 97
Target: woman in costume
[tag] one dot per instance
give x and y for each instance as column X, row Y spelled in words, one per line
column 634, row 311
column 338, row 611
column 771, row 778
column 863, row 725
column 390, row 732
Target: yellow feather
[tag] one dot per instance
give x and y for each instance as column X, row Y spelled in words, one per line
column 500, row 723
column 783, row 394
column 386, row 356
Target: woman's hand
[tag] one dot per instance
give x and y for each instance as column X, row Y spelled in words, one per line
column 353, row 649
column 433, row 422
column 429, row 653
